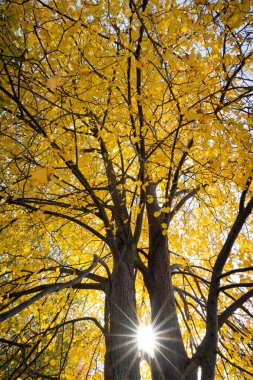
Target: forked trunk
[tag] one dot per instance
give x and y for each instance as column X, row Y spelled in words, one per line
column 121, row 359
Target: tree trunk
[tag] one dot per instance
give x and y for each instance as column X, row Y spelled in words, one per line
column 121, row 359
column 170, row 357
column 209, row 356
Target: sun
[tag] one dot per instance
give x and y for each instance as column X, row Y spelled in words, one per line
column 146, row 339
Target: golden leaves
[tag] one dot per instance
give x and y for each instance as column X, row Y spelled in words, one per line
column 91, row 86
column 41, row 176
column 162, row 209
column 141, row 62
column 150, row 199
column 55, row 82
column 72, row 292
column 84, row 71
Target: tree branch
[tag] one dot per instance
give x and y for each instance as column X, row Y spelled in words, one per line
column 52, row 289
column 223, row 317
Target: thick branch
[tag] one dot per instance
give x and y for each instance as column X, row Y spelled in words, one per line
column 233, row 307
column 54, row 288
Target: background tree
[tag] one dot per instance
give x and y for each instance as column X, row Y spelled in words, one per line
column 126, row 169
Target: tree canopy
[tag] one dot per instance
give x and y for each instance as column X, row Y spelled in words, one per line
column 126, row 188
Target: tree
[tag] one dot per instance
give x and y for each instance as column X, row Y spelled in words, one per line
column 126, row 188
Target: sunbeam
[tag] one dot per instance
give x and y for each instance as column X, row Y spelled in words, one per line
column 147, row 341
column 165, row 357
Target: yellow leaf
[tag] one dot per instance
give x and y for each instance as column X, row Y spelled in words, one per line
column 150, row 199
column 165, row 209
column 41, row 176
column 140, row 63
column 128, row 13
column 55, row 82
column 71, row 292
column 135, row 139
column 84, row 71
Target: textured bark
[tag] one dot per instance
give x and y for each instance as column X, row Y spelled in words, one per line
column 208, row 360
column 170, row 357
column 121, row 359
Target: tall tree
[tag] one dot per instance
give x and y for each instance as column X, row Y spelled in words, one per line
column 126, row 188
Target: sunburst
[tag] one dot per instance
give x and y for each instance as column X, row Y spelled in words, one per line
column 146, row 339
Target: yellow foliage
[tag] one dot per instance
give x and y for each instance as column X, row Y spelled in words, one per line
column 120, row 121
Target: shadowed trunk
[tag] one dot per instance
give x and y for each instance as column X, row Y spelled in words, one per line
column 121, row 359
column 170, row 358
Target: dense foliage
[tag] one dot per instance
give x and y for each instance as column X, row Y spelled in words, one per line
column 126, row 168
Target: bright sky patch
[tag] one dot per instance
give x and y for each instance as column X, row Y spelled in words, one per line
column 146, row 339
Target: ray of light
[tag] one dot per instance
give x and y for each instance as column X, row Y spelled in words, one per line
column 133, row 329
column 165, row 347
column 164, row 334
column 159, row 368
column 127, row 353
column 136, row 356
column 158, row 327
column 122, row 345
column 133, row 344
column 159, row 313
column 125, row 315
column 165, row 357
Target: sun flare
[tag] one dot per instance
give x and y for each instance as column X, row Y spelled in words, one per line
column 146, row 339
